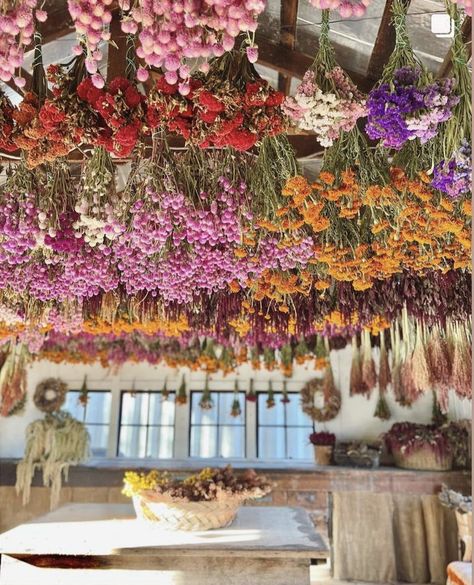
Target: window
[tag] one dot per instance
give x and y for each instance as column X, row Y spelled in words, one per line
column 215, row 432
column 146, row 425
column 283, row 430
column 95, row 414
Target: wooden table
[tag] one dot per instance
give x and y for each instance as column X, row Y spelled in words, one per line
column 74, row 544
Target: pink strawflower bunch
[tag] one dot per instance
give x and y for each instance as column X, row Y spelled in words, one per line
column 346, row 8
column 17, row 27
column 170, row 32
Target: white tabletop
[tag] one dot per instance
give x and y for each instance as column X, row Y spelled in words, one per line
column 112, row 529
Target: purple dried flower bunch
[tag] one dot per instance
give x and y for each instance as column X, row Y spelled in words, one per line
column 409, row 107
column 454, row 176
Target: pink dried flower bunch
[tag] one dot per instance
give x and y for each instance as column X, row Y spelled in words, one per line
column 91, row 21
column 17, row 27
column 171, row 32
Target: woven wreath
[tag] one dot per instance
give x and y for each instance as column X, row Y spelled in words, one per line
column 332, row 403
column 50, row 395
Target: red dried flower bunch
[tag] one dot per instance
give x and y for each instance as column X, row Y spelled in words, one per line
column 120, row 109
column 231, row 106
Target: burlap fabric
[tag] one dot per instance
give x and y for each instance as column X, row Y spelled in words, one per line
column 390, row 537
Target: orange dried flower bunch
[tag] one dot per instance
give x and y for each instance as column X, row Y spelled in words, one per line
column 363, row 234
column 168, row 328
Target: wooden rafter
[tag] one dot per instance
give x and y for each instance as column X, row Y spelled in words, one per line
column 294, row 63
column 116, row 60
column 384, row 43
column 466, row 31
column 288, row 18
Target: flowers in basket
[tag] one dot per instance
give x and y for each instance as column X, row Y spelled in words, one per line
column 419, row 446
column 324, row 444
column 209, row 499
column 327, row 101
column 207, row 485
column 323, row 439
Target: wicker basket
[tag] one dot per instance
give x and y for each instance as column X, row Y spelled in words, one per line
column 423, row 459
column 189, row 516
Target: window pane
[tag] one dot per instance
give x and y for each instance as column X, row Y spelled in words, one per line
column 160, row 442
column 161, row 411
column 135, row 408
column 132, row 441
column 294, row 414
column 299, row 446
column 270, row 416
column 271, row 443
column 225, row 407
column 200, row 416
column 203, row 441
column 99, row 436
column 98, row 407
column 232, row 441
column 73, row 406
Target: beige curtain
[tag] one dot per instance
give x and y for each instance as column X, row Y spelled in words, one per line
column 392, row 537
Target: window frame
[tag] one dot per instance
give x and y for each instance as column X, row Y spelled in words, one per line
column 107, row 424
column 122, row 393
column 152, row 379
column 242, row 398
column 285, row 426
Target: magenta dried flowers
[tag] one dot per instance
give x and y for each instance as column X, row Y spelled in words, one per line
column 326, row 102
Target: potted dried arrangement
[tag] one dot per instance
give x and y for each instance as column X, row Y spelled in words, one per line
column 207, row 500
column 323, row 447
column 418, row 446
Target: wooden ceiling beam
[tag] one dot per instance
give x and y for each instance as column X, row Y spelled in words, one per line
column 466, row 31
column 384, row 43
column 117, row 56
column 288, row 18
column 294, row 63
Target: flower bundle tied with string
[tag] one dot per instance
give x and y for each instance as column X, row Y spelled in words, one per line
column 230, row 106
column 326, row 102
column 452, row 172
column 48, row 128
column 408, row 107
column 337, row 212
